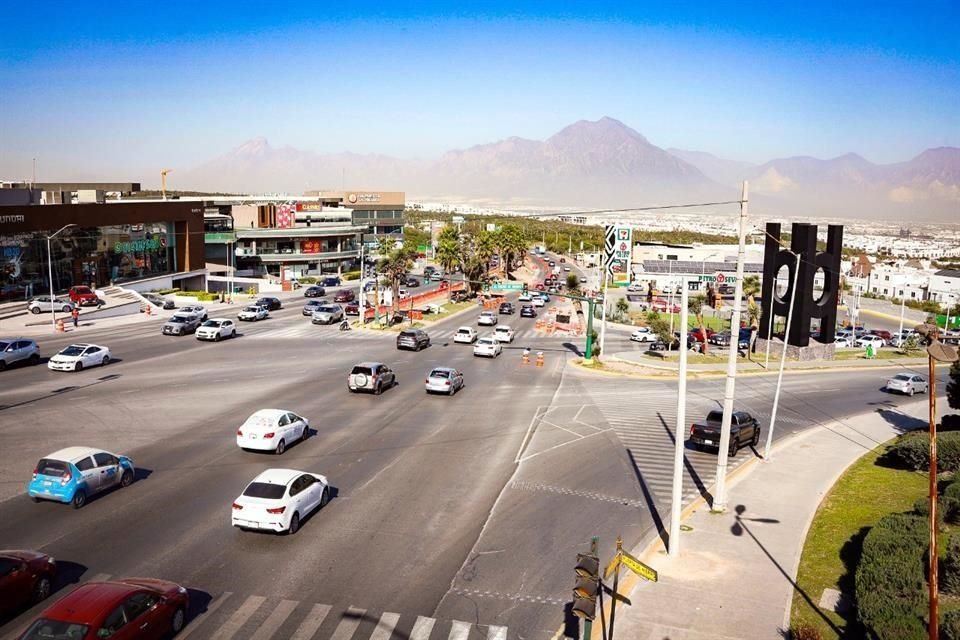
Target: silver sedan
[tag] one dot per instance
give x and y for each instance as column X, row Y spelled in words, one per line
column 444, row 380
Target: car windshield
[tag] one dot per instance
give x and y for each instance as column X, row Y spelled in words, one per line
column 4, row 345
column 51, row 467
column 364, row 370
column 72, row 351
column 46, row 629
column 439, row 373
column 252, row 309
column 264, row 490
column 212, row 323
column 901, row 376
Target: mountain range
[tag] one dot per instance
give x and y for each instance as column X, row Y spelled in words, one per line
column 605, row 164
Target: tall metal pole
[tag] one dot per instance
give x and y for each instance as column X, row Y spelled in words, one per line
column 363, row 294
column 588, row 624
column 720, row 500
column 53, row 310
column 934, row 628
column 616, row 585
column 783, row 358
column 588, row 351
column 903, row 301
column 603, row 312
column 678, row 439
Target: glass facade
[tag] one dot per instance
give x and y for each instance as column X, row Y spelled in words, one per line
column 93, row 256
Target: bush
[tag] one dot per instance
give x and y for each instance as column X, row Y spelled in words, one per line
column 912, row 451
column 922, row 508
column 891, row 586
column 950, row 422
column 350, row 275
column 805, row 631
column 163, row 292
column 950, row 625
column 307, row 280
column 950, row 575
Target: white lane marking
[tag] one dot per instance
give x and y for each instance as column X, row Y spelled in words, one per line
column 211, row 607
column 276, row 618
column 385, row 627
column 459, row 630
column 239, row 618
column 496, row 633
column 348, row 623
column 422, row 628
column 311, row 623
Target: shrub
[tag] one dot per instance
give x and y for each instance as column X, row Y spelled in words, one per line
column 163, row 292
column 890, row 579
column 950, row 575
column 950, row 422
column 922, row 508
column 805, row 631
column 950, row 625
column 912, row 451
column 350, row 275
column 307, row 280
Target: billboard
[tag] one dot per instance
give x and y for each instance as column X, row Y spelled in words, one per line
column 617, row 250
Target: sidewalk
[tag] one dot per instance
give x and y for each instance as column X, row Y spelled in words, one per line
column 636, row 358
column 734, row 575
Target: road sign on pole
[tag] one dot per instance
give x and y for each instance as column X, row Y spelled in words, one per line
column 639, row 568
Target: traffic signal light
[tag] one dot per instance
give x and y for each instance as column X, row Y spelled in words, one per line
column 525, row 287
column 587, row 586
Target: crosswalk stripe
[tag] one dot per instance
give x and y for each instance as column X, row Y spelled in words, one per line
column 211, row 607
column 422, row 628
column 238, row 619
column 385, row 627
column 348, row 624
column 276, row 618
column 496, row 633
column 311, row 623
column 459, row 630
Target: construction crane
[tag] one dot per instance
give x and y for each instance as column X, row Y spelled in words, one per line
column 163, row 182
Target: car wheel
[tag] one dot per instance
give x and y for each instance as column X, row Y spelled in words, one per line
column 41, row 590
column 294, row 524
column 35, row 499
column 178, row 620
column 34, row 359
column 378, row 390
column 452, row 391
column 216, row 338
column 910, row 393
column 324, row 498
column 78, row 366
column 126, row 479
column 105, row 361
column 66, row 310
column 79, row 499
column 35, row 310
column 233, row 334
column 281, row 447
column 756, row 437
column 734, row 446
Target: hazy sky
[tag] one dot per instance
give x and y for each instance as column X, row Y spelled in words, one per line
column 98, row 85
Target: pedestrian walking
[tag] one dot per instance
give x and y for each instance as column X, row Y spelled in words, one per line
column 76, row 315
column 100, row 303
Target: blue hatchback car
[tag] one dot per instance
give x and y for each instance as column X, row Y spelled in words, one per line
column 74, row 474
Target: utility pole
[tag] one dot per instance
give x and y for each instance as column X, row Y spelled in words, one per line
column 678, row 441
column 34, row 172
column 903, row 301
column 783, row 358
column 363, row 294
column 588, row 350
column 720, row 500
column 603, row 312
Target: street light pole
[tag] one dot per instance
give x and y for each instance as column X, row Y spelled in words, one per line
column 53, row 311
column 678, row 440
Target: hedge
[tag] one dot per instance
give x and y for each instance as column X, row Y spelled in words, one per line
column 912, row 451
column 891, row 586
column 307, row 280
column 950, row 574
column 950, row 625
column 350, row 275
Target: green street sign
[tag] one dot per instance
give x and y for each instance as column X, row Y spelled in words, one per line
column 507, row 286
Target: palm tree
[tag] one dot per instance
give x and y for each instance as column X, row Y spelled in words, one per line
column 484, row 247
column 449, row 251
column 394, row 263
column 511, row 245
column 751, row 287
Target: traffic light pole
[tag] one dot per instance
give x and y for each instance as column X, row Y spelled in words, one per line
column 588, row 350
column 588, row 624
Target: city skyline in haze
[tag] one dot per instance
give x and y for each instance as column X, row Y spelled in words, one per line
column 103, row 90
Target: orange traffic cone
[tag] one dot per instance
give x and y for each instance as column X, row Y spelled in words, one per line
column 60, row 327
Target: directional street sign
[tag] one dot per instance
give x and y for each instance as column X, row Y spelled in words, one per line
column 639, row 568
column 507, row 286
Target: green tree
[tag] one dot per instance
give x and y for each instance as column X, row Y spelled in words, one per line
column 660, row 326
column 393, row 264
column 511, row 244
column 751, row 287
column 696, row 305
column 449, row 252
column 573, row 283
column 953, row 386
column 414, row 237
column 622, row 307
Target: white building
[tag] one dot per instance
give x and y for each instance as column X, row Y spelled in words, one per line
column 945, row 287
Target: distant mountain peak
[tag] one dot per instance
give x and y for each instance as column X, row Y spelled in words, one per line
column 254, row 146
column 606, row 128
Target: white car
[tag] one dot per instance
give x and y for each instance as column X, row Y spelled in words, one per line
column 466, row 335
column 487, row 347
column 566, row 269
column 216, row 329
column 195, row 309
column 636, row 287
column 503, row 333
column 524, row 297
column 272, row 430
column 538, row 301
column 77, row 357
column 907, row 383
column 278, row 499
column 876, row 341
column 253, row 313
column 42, row 303
column 643, row 334
column 842, row 343
column 487, row 319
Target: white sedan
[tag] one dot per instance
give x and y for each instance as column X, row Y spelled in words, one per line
column 842, row 343
column 278, row 499
column 216, row 328
column 876, row 341
column 253, row 313
column 487, row 319
column 538, row 301
column 78, row 356
column 194, row 309
column 643, row 334
column 487, row 347
column 272, row 430
column 907, row 383
column 503, row 333
column 524, row 297
column 466, row 335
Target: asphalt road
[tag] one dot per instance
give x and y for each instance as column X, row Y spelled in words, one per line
column 453, row 517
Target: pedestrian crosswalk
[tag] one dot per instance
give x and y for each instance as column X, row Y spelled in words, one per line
column 231, row 616
column 307, row 330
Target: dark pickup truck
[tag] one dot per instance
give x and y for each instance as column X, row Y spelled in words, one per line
column 744, row 430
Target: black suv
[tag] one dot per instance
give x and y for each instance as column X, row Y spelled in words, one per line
column 414, row 339
column 314, row 292
column 272, row 304
column 527, row 311
column 506, row 309
column 331, row 281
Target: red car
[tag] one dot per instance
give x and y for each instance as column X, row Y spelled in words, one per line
column 344, row 295
column 26, row 577
column 83, row 296
column 352, row 309
column 698, row 336
column 128, row 609
column 540, row 286
column 659, row 304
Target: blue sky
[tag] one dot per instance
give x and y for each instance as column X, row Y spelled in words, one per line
column 105, row 86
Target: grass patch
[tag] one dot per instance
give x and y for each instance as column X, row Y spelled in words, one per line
column 692, row 358
column 883, row 354
column 863, row 495
column 450, row 308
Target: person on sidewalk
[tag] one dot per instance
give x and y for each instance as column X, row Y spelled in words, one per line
column 76, row 315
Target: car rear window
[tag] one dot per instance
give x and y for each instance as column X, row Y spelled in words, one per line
column 264, row 490
column 463, row 330
column 365, row 370
column 44, row 629
column 901, row 376
column 51, row 467
column 408, row 334
column 439, row 373
column 715, row 416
